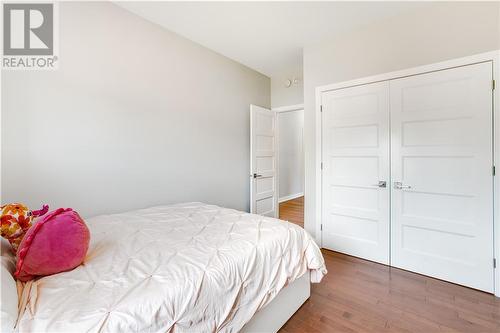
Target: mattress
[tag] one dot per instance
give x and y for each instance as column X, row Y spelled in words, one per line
column 180, row 268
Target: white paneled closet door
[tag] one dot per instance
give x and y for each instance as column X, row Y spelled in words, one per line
column 355, row 130
column 442, row 182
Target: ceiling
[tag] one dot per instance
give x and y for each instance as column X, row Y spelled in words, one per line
column 266, row 36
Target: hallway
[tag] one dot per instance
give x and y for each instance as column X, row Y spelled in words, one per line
column 293, row 211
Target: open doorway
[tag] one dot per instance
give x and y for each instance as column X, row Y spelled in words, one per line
column 290, row 122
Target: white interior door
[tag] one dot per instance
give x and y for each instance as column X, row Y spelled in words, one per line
column 355, row 131
column 442, row 196
column 263, row 162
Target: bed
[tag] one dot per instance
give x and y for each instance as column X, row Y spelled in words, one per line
column 179, row 268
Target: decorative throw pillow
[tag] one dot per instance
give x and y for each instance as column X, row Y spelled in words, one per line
column 15, row 220
column 57, row 242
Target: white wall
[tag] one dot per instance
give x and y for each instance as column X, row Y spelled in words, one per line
column 135, row 116
column 291, row 154
column 283, row 96
column 442, row 31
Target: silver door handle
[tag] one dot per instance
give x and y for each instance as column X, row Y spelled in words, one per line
column 381, row 184
column 256, row 175
column 401, row 186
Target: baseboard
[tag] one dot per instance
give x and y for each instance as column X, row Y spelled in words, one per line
column 290, row 197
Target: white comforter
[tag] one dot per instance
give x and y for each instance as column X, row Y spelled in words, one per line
column 180, row 268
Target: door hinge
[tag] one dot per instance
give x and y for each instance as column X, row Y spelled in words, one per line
column 493, row 85
column 494, row 171
column 494, row 263
column 321, row 108
column 321, row 227
column 321, row 165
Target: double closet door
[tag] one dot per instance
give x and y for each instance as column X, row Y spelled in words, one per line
column 407, row 173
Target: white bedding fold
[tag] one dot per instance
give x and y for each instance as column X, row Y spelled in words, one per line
column 183, row 268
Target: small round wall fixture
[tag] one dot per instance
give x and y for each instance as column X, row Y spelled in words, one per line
column 288, row 83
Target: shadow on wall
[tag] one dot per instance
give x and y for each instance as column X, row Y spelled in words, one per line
column 151, row 118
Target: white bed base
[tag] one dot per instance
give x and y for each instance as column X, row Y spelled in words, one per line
column 273, row 316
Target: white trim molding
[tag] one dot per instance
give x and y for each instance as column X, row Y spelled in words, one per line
column 291, row 197
column 494, row 57
column 288, row 108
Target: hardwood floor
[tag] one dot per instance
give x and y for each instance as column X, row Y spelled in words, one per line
column 293, row 211
column 361, row 296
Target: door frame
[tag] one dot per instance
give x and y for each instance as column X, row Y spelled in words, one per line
column 494, row 57
column 296, row 107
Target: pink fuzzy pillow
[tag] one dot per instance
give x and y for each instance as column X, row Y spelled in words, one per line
column 57, row 242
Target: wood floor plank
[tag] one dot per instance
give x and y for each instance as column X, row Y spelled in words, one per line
column 293, row 211
column 359, row 296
